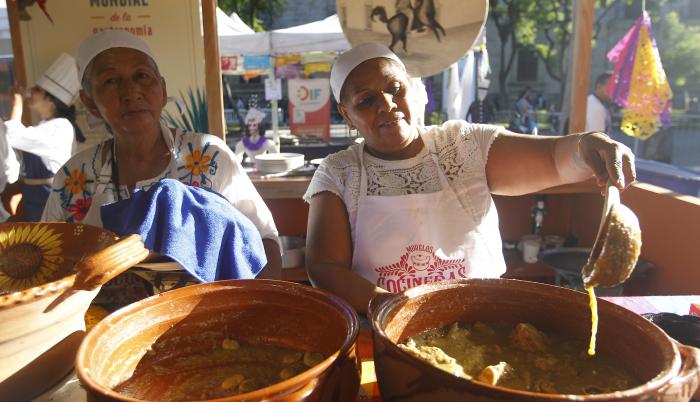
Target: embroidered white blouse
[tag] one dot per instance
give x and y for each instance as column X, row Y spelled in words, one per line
column 196, row 159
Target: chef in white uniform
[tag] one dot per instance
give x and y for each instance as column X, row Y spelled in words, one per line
column 412, row 204
column 49, row 144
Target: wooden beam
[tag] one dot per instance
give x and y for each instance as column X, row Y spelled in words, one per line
column 212, row 71
column 581, row 63
column 18, row 55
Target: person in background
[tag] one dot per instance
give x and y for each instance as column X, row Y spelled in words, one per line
column 49, row 144
column 598, row 117
column 253, row 142
column 121, row 84
column 480, row 110
column 412, row 204
column 525, row 108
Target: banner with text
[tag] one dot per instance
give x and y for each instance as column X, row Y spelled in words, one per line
column 310, row 108
column 172, row 29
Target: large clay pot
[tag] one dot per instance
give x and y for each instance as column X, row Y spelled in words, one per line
column 669, row 369
column 275, row 312
column 41, row 317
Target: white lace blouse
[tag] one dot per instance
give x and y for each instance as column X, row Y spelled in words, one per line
column 462, row 150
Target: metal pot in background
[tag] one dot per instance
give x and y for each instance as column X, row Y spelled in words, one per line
column 293, row 250
column 568, row 262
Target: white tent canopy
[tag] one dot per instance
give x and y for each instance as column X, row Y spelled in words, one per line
column 324, row 35
column 236, row 38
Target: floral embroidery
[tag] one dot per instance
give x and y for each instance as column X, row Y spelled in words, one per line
column 79, row 209
column 196, row 162
column 74, row 185
column 75, row 182
column 198, row 166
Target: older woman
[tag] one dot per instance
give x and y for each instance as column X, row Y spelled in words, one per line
column 412, row 204
column 121, row 83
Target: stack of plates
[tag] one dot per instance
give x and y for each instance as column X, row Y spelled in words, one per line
column 278, row 163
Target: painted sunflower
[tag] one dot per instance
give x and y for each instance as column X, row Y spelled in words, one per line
column 29, row 256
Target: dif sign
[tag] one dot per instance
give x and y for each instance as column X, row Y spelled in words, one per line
column 310, row 107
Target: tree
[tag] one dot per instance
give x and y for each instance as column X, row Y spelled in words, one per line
column 544, row 27
column 680, row 50
column 508, row 17
column 250, row 11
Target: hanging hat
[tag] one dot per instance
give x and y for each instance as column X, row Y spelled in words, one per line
column 105, row 40
column 61, row 79
column 354, row 57
column 254, row 115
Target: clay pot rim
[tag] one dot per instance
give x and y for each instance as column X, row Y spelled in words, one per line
column 388, row 304
column 298, row 380
column 50, row 288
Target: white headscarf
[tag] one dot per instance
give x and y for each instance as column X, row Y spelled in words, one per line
column 354, row 57
column 105, row 40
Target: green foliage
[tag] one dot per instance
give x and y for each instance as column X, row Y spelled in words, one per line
column 195, row 117
column 680, row 50
column 250, row 11
column 435, row 118
column 546, row 28
column 512, row 24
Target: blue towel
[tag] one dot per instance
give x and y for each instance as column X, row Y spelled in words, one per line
column 197, row 228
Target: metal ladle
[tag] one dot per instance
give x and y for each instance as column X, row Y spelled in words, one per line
column 617, row 245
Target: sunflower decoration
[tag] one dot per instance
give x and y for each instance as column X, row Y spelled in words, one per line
column 29, row 256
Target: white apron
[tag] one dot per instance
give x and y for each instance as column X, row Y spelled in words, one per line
column 105, row 189
column 408, row 240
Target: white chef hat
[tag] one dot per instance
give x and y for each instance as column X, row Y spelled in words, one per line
column 105, row 40
column 254, row 115
column 61, row 79
column 354, row 57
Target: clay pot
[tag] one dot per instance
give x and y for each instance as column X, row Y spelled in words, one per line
column 670, row 370
column 42, row 324
column 273, row 312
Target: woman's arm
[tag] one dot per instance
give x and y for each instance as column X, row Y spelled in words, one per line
column 521, row 164
column 273, row 269
column 329, row 252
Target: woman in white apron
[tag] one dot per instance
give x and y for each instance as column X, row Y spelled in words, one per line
column 122, row 85
column 412, row 204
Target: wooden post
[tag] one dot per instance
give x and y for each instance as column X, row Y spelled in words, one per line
column 18, row 55
column 581, row 63
column 212, row 70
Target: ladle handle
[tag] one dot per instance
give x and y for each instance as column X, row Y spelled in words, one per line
column 683, row 386
column 107, row 263
column 612, row 196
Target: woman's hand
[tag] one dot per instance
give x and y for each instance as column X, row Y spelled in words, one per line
column 610, row 160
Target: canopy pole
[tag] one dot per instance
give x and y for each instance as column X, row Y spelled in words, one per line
column 581, row 63
column 273, row 107
column 212, row 71
column 18, row 55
